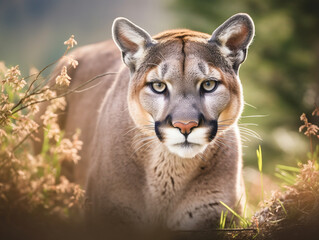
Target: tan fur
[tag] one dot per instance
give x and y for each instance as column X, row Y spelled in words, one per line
column 136, row 174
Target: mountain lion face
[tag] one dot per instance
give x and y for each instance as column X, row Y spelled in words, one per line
column 184, row 86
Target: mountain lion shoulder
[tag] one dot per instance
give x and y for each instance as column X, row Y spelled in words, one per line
column 161, row 141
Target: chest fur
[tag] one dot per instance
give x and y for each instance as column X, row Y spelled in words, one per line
column 167, row 178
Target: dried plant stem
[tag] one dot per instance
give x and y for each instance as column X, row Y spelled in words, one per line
column 25, row 138
column 36, row 78
column 68, row 92
column 46, row 67
column 311, row 148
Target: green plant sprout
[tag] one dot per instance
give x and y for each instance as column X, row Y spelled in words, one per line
column 245, row 223
column 260, row 167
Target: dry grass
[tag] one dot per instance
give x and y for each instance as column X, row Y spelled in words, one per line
column 31, row 184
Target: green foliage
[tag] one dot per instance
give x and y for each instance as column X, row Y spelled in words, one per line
column 279, row 75
column 260, row 159
column 287, row 173
column 260, row 167
column 244, row 222
column 223, row 218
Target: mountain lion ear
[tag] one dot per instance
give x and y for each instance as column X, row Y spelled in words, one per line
column 131, row 40
column 234, row 37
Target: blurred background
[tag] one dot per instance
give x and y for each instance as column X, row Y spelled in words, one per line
column 280, row 76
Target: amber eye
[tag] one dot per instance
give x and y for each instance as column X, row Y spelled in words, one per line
column 158, row 87
column 209, row 85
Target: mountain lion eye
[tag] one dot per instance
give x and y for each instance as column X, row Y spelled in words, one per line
column 209, row 85
column 158, row 87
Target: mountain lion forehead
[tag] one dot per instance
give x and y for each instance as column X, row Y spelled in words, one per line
column 180, row 33
column 184, row 50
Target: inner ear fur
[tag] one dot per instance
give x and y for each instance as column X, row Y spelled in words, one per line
column 234, row 36
column 131, row 40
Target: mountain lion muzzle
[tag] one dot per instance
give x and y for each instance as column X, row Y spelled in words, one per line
column 161, row 141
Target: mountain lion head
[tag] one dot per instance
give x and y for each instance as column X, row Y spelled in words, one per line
column 184, row 86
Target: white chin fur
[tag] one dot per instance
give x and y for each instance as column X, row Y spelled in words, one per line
column 174, row 139
column 186, row 152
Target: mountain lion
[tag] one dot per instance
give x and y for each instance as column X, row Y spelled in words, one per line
column 161, row 141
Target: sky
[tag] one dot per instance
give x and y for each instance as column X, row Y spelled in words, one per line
column 32, row 32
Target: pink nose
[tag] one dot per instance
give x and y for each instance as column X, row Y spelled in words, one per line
column 185, row 127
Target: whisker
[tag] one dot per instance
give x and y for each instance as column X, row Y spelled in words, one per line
column 245, row 139
column 247, row 124
column 143, row 140
column 220, row 142
column 145, row 127
column 225, row 120
column 201, row 157
column 224, row 125
column 250, row 105
column 148, row 142
column 250, row 132
column 254, row 116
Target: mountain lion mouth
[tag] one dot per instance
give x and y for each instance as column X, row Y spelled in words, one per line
column 186, row 144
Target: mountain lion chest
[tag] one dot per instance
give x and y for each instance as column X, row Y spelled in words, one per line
column 166, row 180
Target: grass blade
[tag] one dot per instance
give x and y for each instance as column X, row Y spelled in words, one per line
column 243, row 220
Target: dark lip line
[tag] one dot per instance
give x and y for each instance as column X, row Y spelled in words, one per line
column 186, row 144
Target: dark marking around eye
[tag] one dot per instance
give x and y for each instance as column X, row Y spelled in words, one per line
column 190, row 214
column 164, row 70
column 201, row 67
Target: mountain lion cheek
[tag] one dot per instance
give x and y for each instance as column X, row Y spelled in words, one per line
column 139, row 115
column 231, row 112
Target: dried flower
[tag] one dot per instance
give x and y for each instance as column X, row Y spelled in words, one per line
column 54, row 131
column 31, row 101
column 32, row 182
column 33, row 71
column 63, row 79
column 3, row 67
column 72, row 61
column 68, row 150
column 70, row 42
column 49, row 117
column 311, row 129
column 316, row 112
column 12, row 78
column 58, row 104
column 5, row 111
column 24, row 126
column 47, row 94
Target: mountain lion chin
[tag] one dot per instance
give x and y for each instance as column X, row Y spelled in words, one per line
column 186, row 149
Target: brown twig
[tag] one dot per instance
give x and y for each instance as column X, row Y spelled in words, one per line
column 68, row 92
column 25, row 138
column 36, row 78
